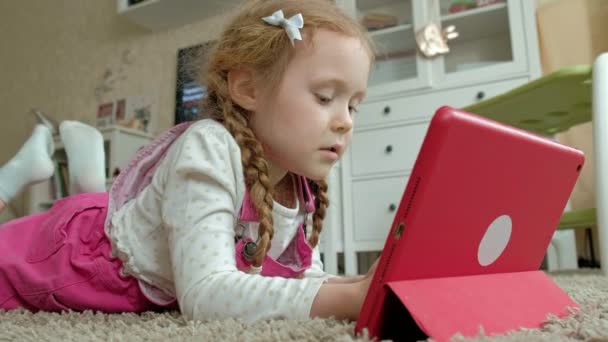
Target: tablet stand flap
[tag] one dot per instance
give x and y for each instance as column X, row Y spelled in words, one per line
column 492, row 303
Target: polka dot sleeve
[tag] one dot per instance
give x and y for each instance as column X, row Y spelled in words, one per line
column 199, row 209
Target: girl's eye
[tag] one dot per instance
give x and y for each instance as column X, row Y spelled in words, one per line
column 352, row 110
column 323, row 99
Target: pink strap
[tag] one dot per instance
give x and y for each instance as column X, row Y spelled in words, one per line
column 307, row 194
column 248, row 212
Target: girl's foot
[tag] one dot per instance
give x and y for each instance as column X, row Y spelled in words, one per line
column 86, row 159
column 32, row 164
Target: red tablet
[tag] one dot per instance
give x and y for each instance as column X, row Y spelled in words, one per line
column 482, row 198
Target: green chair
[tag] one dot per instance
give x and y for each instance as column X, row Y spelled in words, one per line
column 554, row 103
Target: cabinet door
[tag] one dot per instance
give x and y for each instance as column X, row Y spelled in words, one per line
column 490, row 42
column 375, row 203
column 391, row 25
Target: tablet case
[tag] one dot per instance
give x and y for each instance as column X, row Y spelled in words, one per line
column 474, row 223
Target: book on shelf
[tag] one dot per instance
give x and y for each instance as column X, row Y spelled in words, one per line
column 376, row 21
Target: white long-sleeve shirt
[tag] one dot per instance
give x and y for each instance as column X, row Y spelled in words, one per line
column 178, row 235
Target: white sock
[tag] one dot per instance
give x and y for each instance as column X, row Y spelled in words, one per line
column 86, row 160
column 32, row 164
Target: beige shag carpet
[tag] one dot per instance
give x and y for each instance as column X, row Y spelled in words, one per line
column 588, row 288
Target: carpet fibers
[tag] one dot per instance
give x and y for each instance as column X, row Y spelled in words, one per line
column 590, row 323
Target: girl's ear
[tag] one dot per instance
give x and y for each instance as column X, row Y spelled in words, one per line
column 242, row 88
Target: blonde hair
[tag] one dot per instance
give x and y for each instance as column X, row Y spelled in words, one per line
column 248, row 41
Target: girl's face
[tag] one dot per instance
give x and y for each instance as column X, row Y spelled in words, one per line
column 306, row 123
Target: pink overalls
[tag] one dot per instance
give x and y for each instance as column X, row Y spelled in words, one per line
column 62, row 259
column 298, row 253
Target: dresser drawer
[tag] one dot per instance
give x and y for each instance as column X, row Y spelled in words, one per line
column 386, row 149
column 375, row 203
column 423, row 106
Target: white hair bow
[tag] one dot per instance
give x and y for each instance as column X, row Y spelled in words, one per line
column 292, row 25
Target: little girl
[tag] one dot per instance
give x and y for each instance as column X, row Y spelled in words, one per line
column 212, row 216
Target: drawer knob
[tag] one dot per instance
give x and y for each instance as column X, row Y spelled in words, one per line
column 392, row 207
column 388, row 149
column 481, row 95
column 387, row 110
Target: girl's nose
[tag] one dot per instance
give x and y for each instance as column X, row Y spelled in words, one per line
column 343, row 122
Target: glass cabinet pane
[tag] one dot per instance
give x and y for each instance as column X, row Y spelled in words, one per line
column 484, row 36
column 390, row 25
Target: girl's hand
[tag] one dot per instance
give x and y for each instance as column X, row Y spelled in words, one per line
column 363, row 285
column 367, row 278
column 342, row 300
column 354, row 279
column 372, row 269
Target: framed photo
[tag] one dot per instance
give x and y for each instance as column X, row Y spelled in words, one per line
column 131, row 112
column 105, row 114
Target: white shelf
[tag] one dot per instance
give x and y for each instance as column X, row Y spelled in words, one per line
column 375, row 34
column 399, row 9
column 126, row 130
column 394, row 42
column 366, row 5
column 474, row 12
column 478, row 23
column 159, row 15
column 107, row 132
column 399, row 41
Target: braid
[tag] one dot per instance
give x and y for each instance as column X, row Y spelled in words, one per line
column 255, row 169
column 319, row 190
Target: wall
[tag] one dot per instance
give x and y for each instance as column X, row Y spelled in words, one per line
column 54, row 55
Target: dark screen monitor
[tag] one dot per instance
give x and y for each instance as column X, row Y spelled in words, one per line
column 189, row 92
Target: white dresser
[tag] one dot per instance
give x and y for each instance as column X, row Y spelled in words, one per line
column 496, row 50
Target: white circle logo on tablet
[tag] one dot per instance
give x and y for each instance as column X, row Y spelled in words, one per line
column 495, row 240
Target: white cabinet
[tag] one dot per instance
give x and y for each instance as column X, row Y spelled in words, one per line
column 493, row 42
column 120, row 144
column 332, row 237
column 496, row 50
column 158, row 15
